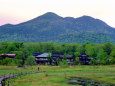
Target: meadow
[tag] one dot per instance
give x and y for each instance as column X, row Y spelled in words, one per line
column 60, row 75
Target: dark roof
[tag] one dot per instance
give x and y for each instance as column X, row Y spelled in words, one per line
column 83, row 55
column 68, row 56
column 8, row 55
column 43, row 55
column 55, row 55
column 36, row 54
column 84, row 58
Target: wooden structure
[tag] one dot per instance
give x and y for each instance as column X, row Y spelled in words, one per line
column 55, row 59
column 84, row 59
column 3, row 56
column 41, row 58
column 69, row 58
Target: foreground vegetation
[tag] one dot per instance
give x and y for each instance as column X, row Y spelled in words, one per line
column 6, row 70
column 59, row 76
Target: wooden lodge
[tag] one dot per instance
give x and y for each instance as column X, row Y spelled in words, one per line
column 84, row 59
column 3, row 56
column 55, row 59
column 41, row 58
column 69, row 58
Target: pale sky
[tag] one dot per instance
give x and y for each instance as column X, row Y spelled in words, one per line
column 17, row 11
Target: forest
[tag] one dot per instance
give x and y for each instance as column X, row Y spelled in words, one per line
column 100, row 54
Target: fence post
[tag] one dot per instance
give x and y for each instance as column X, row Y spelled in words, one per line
column 8, row 83
column 4, row 75
column 4, row 82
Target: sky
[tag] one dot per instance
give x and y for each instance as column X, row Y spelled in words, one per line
column 17, row 11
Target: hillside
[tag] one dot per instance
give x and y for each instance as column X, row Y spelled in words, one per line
column 51, row 27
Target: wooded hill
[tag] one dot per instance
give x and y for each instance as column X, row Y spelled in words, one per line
column 54, row 28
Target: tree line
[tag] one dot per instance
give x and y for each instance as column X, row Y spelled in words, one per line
column 100, row 54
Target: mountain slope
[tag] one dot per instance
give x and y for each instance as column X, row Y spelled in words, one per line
column 51, row 27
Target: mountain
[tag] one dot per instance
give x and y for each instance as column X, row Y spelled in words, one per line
column 51, row 27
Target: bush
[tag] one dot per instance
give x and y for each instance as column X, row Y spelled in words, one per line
column 112, row 60
column 94, row 62
column 63, row 63
column 77, row 60
column 20, row 63
column 6, row 61
column 30, row 60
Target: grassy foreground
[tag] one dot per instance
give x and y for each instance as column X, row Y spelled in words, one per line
column 10, row 70
column 58, row 76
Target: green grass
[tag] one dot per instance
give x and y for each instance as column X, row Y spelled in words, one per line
column 58, row 76
column 6, row 70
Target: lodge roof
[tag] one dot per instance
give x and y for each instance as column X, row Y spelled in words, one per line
column 55, row 55
column 68, row 56
column 43, row 55
column 8, row 54
column 36, row 54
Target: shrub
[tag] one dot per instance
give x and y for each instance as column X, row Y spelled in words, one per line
column 30, row 60
column 63, row 63
column 6, row 61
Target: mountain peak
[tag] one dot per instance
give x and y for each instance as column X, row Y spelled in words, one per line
column 85, row 17
column 46, row 16
column 91, row 20
column 49, row 15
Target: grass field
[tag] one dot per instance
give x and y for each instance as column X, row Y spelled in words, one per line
column 6, row 70
column 59, row 76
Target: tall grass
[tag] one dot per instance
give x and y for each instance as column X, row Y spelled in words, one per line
column 59, row 76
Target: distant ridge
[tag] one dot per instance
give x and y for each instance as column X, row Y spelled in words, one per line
column 7, row 25
column 54, row 28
